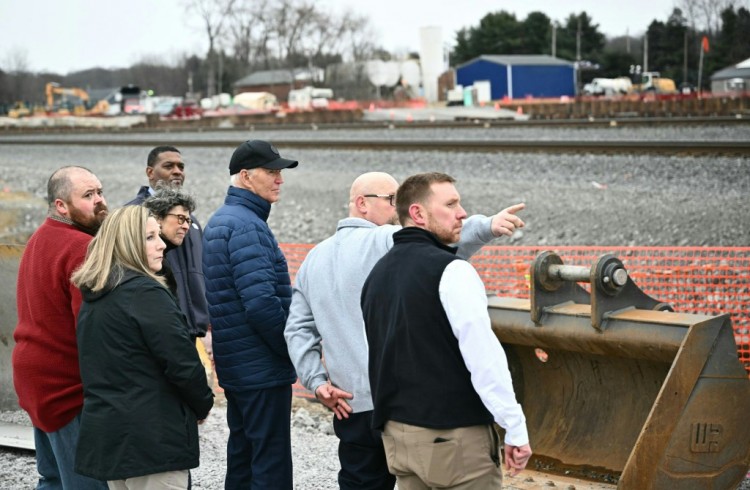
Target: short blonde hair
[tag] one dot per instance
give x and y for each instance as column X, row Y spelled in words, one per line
column 119, row 244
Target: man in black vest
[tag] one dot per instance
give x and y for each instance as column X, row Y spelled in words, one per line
column 438, row 374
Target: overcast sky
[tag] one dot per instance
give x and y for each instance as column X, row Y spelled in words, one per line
column 69, row 35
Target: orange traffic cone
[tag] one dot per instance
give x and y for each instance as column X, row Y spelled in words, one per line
column 519, row 111
column 497, row 106
column 372, row 106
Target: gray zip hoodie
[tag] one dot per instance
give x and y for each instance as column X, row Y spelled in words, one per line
column 325, row 310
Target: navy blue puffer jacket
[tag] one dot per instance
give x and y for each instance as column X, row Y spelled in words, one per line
column 249, row 292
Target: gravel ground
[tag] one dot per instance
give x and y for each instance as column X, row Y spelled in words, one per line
column 313, row 450
column 572, row 199
column 624, row 200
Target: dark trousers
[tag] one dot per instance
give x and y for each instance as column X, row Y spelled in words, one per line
column 259, row 451
column 361, row 453
column 55, row 459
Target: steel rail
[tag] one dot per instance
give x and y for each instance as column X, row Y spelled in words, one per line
column 458, row 123
column 680, row 148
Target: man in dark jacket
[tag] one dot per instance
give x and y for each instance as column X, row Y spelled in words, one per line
column 438, row 374
column 164, row 164
column 249, row 292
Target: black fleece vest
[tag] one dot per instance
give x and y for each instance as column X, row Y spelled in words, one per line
column 417, row 373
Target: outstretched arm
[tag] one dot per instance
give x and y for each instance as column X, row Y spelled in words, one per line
column 479, row 230
column 506, row 222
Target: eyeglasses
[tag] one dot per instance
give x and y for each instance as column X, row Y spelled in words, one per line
column 391, row 197
column 181, row 218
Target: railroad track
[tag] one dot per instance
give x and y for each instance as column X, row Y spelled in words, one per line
column 178, row 126
column 679, row 148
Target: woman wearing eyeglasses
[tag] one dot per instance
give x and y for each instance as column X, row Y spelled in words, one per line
column 172, row 207
column 144, row 386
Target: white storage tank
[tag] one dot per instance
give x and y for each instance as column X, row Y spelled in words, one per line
column 432, row 58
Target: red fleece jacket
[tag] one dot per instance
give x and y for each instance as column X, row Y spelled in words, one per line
column 45, row 358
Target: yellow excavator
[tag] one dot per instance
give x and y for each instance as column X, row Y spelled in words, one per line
column 19, row 109
column 73, row 97
column 79, row 103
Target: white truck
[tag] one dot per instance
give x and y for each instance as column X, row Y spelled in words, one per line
column 608, row 86
column 308, row 98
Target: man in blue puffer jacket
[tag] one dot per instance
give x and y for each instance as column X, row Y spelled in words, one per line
column 249, row 292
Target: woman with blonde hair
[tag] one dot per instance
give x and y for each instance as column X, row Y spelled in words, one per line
column 144, row 386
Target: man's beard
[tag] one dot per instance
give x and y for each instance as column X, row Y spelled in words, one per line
column 445, row 235
column 89, row 222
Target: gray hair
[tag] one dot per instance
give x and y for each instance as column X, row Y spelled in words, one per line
column 234, row 180
column 167, row 197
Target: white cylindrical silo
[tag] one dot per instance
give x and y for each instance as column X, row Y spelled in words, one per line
column 432, row 60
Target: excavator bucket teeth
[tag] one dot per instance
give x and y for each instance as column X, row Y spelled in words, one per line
column 645, row 398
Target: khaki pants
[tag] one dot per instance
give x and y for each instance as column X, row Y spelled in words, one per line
column 169, row 480
column 459, row 458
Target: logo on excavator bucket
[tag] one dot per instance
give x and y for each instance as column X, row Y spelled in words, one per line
column 705, row 438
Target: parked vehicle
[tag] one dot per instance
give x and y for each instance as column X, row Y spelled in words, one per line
column 308, row 98
column 166, row 107
column 652, row 81
column 187, row 109
column 608, row 86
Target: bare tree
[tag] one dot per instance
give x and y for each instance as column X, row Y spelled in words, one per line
column 16, row 65
column 250, row 33
column 16, row 60
column 292, row 23
column 213, row 15
column 359, row 36
column 706, row 14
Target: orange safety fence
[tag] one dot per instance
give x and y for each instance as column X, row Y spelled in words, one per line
column 701, row 280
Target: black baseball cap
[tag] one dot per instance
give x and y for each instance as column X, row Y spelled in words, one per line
column 258, row 153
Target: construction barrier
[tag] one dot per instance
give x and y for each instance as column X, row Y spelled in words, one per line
column 703, row 280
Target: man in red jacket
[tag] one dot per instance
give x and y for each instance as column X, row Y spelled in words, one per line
column 45, row 358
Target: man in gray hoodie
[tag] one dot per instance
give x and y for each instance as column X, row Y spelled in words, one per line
column 325, row 316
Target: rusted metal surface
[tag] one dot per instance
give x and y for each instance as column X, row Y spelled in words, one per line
column 10, row 256
column 16, row 210
column 697, row 433
column 612, row 289
column 655, row 400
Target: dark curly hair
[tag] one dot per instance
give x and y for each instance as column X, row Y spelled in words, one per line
column 167, row 197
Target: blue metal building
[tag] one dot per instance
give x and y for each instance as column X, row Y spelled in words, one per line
column 518, row 76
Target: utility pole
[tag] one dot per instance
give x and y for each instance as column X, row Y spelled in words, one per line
column 578, row 56
column 627, row 41
column 578, row 40
column 221, row 72
column 685, row 59
column 645, row 52
column 554, row 39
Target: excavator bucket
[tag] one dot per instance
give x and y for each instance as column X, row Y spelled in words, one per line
column 618, row 388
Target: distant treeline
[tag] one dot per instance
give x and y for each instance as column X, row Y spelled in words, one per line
column 285, row 34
